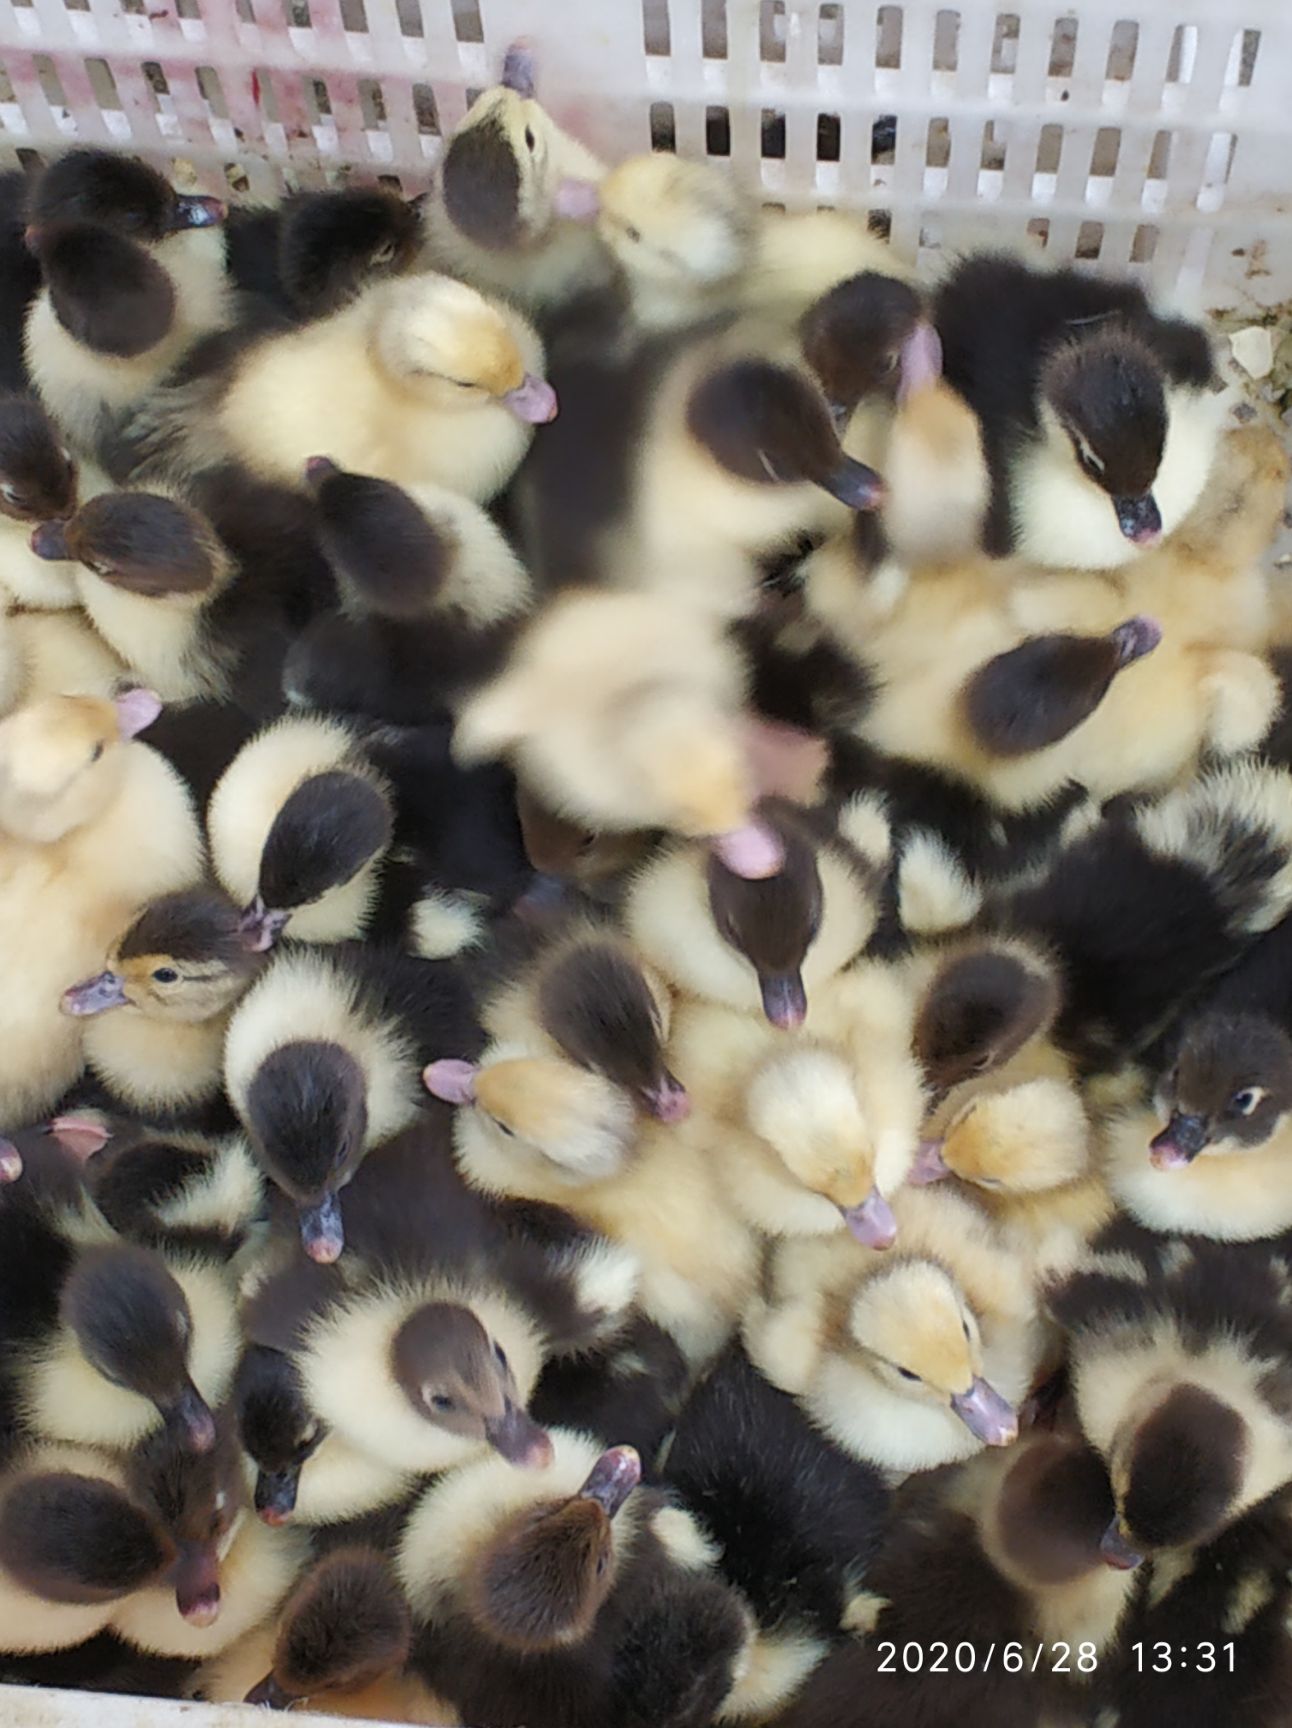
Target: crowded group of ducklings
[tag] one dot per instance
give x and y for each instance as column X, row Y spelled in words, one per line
column 646, row 922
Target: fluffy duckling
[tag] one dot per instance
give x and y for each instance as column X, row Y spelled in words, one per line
column 623, row 742
column 299, row 824
column 795, row 1521
column 1007, row 1556
column 75, row 797
column 125, row 194
column 541, row 1129
column 345, row 1626
column 321, row 1064
column 909, row 1360
column 588, row 998
column 512, row 205
column 422, row 380
column 763, row 945
column 1096, row 412
column 572, row 1598
column 156, row 1016
column 183, row 1192
column 313, row 252
column 1177, row 1356
column 38, row 481
column 432, row 598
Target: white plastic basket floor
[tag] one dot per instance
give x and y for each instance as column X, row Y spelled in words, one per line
column 1151, row 135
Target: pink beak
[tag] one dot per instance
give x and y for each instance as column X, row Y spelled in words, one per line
column 577, row 200
column 986, row 1414
column 533, row 400
column 872, row 1223
column 920, row 363
column 753, row 852
column 136, row 711
column 451, row 1079
column 929, row 1165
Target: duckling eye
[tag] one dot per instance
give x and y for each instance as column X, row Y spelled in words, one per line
column 503, row 1128
column 906, row 1373
column 603, row 1560
column 1244, row 1102
column 631, row 233
column 442, row 1405
column 97, row 567
column 500, row 1355
column 384, row 254
column 97, row 751
column 529, row 137
column 10, row 494
column 964, row 1327
column 166, row 975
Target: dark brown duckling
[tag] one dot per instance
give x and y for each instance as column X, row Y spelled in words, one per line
column 315, row 251
column 982, row 1005
column 38, row 481
column 76, row 1539
column 107, row 293
column 344, row 1626
column 118, row 192
column 867, row 337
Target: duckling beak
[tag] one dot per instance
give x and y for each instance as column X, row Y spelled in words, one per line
column 10, row 1161
column 197, row 1583
column 519, row 1438
column 668, row 1100
column 259, row 927
column 985, row 1413
column 1135, row 638
column 929, row 1165
column 194, row 212
column 49, row 541
column 614, row 1476
column 275, row 1495
column 872, row 1223
column 270, row 1694
column 520, row 69
column 533, row 400
column 753, row 852
column 919, row 362
column 784, row 999
column 1180, row 1142
column 82, row 1136
column 136, row 711
column 190, row 1420
column 577, row 200
column 322, row 1235
column 318, row 469
column 1139, row 519
column 1115, row 1549
column 855, row 485
column 95, row 995
column 451, row 1079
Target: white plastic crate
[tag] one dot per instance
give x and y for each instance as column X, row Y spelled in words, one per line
column 1155, row 135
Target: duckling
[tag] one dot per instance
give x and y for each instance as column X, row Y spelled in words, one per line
column 304, row 1472
column 321, row 1064
column 344, row 1626
column 180, row 1191
column 1007, row 1556
column 762, row 945
column 1175, row 1353
column 576, row 1597
column 587, row 997
column 634, row 1386
column 299, row 824
column 175, row 974
column 795, row 1521
column 75, row 798
column 541, row 1129
column 38, row 481
column 310, row 254
column 432, row 598
column 650, row 738
column 422, row 380
column 911, row 1360
column 122, row 193
column 1097, row 412
column 511, row 208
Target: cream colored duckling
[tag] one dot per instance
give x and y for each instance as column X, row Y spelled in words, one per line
column 908, row 1359
column 419, row 379
column 51, row 653
column 91, row 827
column 512, row 204
column 534, row 1128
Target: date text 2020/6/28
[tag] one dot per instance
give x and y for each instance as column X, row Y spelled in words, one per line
column 1013, row 1657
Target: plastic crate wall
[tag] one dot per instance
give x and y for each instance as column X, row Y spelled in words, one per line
column 1157, row 137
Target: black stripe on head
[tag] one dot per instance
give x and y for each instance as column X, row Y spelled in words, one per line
column 481, row 183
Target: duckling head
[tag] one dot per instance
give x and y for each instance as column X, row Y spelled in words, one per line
column 922, row 1341
column 1052, row 1509
column 546, row 1574
column 980, row 1008
column 62, row 761
column 279, row 1431
column 77, row 1539
column 106, row 291
column 118, row 192
column 868, row 337
column 197, row 1501
column 1033, row 1137
column 1107, row 394
column 773, row 920
column 132, row 1322
column 609, row 1015
column 500, row 176
column 1228, row 1091
column 769, row 425
column 307, row 1116
column 184, row 958
column 37, row 475
column 1177, row 1472
column 391, row 558
column 575, row 1125
column 345, row 1625
column 455, row 350
column 142, row 542
column 804, row 1104
column 676, row 222
column 458, row 1378
column 332, row 244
